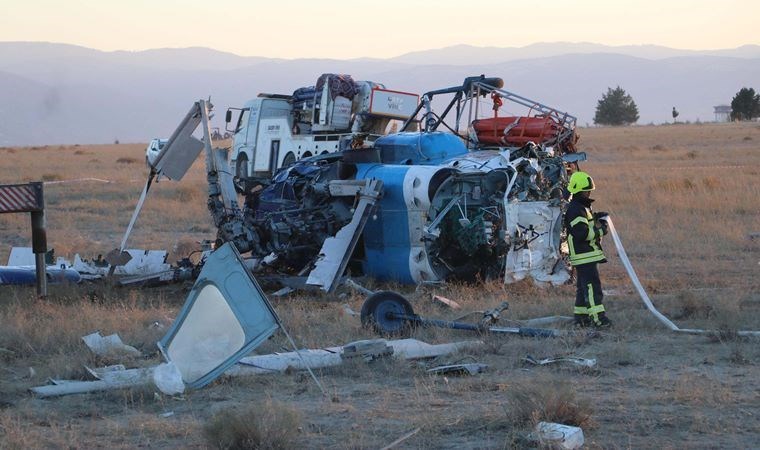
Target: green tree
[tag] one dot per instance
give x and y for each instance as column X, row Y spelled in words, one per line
column 745, row 105
column 616, row 107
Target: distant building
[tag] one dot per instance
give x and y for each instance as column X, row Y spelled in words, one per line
column 722, row 113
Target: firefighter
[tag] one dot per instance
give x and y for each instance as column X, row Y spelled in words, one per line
column 584, row 237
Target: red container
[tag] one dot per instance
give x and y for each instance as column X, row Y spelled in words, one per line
column 519, row 130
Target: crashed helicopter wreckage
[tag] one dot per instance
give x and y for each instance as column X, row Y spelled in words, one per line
column 412, row 207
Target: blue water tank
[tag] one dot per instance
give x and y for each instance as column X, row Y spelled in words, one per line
column 415, row 148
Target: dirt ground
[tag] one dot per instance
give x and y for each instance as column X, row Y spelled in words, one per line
column 684, row 199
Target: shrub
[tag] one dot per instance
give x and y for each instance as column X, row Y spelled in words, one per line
column 546, row 401
column 269, row 426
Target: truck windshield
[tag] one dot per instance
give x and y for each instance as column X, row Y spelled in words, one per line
column 242, row 119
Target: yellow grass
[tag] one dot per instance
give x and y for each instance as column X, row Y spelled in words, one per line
column 684, row 198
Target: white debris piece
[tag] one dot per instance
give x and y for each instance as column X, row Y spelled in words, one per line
column 143, row 262
column 446, row 302
column 24, row 257
column 557, row 435
column 125, row 379
column 331, row 356
column 109, row 345
column 534, row 230
column 168, row 379
column 584, row 362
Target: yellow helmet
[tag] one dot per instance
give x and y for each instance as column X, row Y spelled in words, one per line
column 579, row 182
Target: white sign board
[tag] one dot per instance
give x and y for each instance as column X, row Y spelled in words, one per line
column 341, row 113
column 399, row 105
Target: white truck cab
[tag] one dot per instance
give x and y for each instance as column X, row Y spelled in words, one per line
column 275, row 130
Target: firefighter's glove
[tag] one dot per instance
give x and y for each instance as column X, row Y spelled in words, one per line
column 603, row 225
column 601, row 215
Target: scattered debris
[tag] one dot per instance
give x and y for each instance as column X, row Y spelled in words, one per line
column 347, row 309
column 358, row 287
column 447, row 302
column 401, row 439
column 132, row 266
column 105, row 372
column 332, row 356
column 21, row 268
column 409, row 349
column 557, row 435
column 129, row 262
column 287, row 290
column 109, row 346
column 559, row 359
column 459, row 369
column 390, row 313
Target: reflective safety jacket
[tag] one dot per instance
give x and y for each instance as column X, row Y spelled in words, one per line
column 584, row 238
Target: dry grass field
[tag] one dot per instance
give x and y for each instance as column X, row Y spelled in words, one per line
column 685, row 199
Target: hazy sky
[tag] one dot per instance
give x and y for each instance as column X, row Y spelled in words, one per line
column 349, row 29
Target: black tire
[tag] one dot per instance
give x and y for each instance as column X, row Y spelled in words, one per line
column 377, row 305
column 289, row 160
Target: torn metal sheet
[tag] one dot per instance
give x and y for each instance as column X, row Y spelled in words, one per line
column 584, row 362
column 534, row 229
column 332, row 356
column 101, row 373
column 110, row 345
column 24, row 256
column 225, row 316
column 459, row 369
column 181, row 150
column 335, row 252
column 368, row 350
column 135, row 262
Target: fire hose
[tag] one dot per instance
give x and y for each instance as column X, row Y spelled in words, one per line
column 645, row 298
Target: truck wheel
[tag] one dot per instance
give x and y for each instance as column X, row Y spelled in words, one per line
column 241, row 169
column 289, row 160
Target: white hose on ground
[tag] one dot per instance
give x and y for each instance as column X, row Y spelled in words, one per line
column 645, row 298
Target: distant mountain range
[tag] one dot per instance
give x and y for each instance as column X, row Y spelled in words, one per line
column 64, row 94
